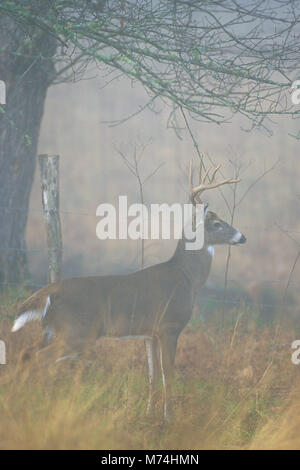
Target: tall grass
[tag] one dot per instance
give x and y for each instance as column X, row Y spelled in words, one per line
column 237, row 391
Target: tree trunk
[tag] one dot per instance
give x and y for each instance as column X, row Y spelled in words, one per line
column 26, row 66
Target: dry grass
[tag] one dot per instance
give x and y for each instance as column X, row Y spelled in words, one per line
column 237, row 391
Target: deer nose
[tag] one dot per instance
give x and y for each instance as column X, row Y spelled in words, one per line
column 237, row 239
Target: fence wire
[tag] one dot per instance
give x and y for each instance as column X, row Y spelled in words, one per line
column 240, row 302
column 32, row 285
column 87, row 214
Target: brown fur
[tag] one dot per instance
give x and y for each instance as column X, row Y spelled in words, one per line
column 155, row 303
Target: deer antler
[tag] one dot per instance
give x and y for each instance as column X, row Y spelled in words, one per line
column 205, row 183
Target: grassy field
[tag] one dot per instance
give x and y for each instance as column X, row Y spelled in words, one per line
column 238, row 390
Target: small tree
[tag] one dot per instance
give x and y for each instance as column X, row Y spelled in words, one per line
column 133, row 164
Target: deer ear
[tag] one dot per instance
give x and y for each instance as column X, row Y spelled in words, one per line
column 205, row 210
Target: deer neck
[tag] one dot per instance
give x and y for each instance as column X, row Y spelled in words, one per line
column 195, row 264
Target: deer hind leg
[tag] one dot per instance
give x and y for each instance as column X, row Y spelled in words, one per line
column 75, row 343
column 71, row 349
column 48, row 335
column 152, row 350
column 167, row 344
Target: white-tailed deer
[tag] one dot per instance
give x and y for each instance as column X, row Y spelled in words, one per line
column 155, row 303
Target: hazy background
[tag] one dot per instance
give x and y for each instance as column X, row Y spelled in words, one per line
column 92, row 172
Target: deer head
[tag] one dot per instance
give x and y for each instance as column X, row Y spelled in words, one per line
column 217, row 231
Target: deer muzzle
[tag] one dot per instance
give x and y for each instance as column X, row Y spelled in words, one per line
column 238, row 239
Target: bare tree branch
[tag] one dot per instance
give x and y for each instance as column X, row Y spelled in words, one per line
column 212, row 59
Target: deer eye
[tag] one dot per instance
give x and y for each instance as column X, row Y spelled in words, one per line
column 217, row 225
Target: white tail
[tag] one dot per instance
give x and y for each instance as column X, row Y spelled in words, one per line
column 155, row 303
column 30, row 315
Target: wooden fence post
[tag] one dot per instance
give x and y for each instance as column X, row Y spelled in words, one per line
column 49, row 170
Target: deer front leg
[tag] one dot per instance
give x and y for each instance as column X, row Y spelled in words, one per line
column 168, row 344
column 152, row 350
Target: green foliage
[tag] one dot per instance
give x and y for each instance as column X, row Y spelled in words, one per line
column 27, row 140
